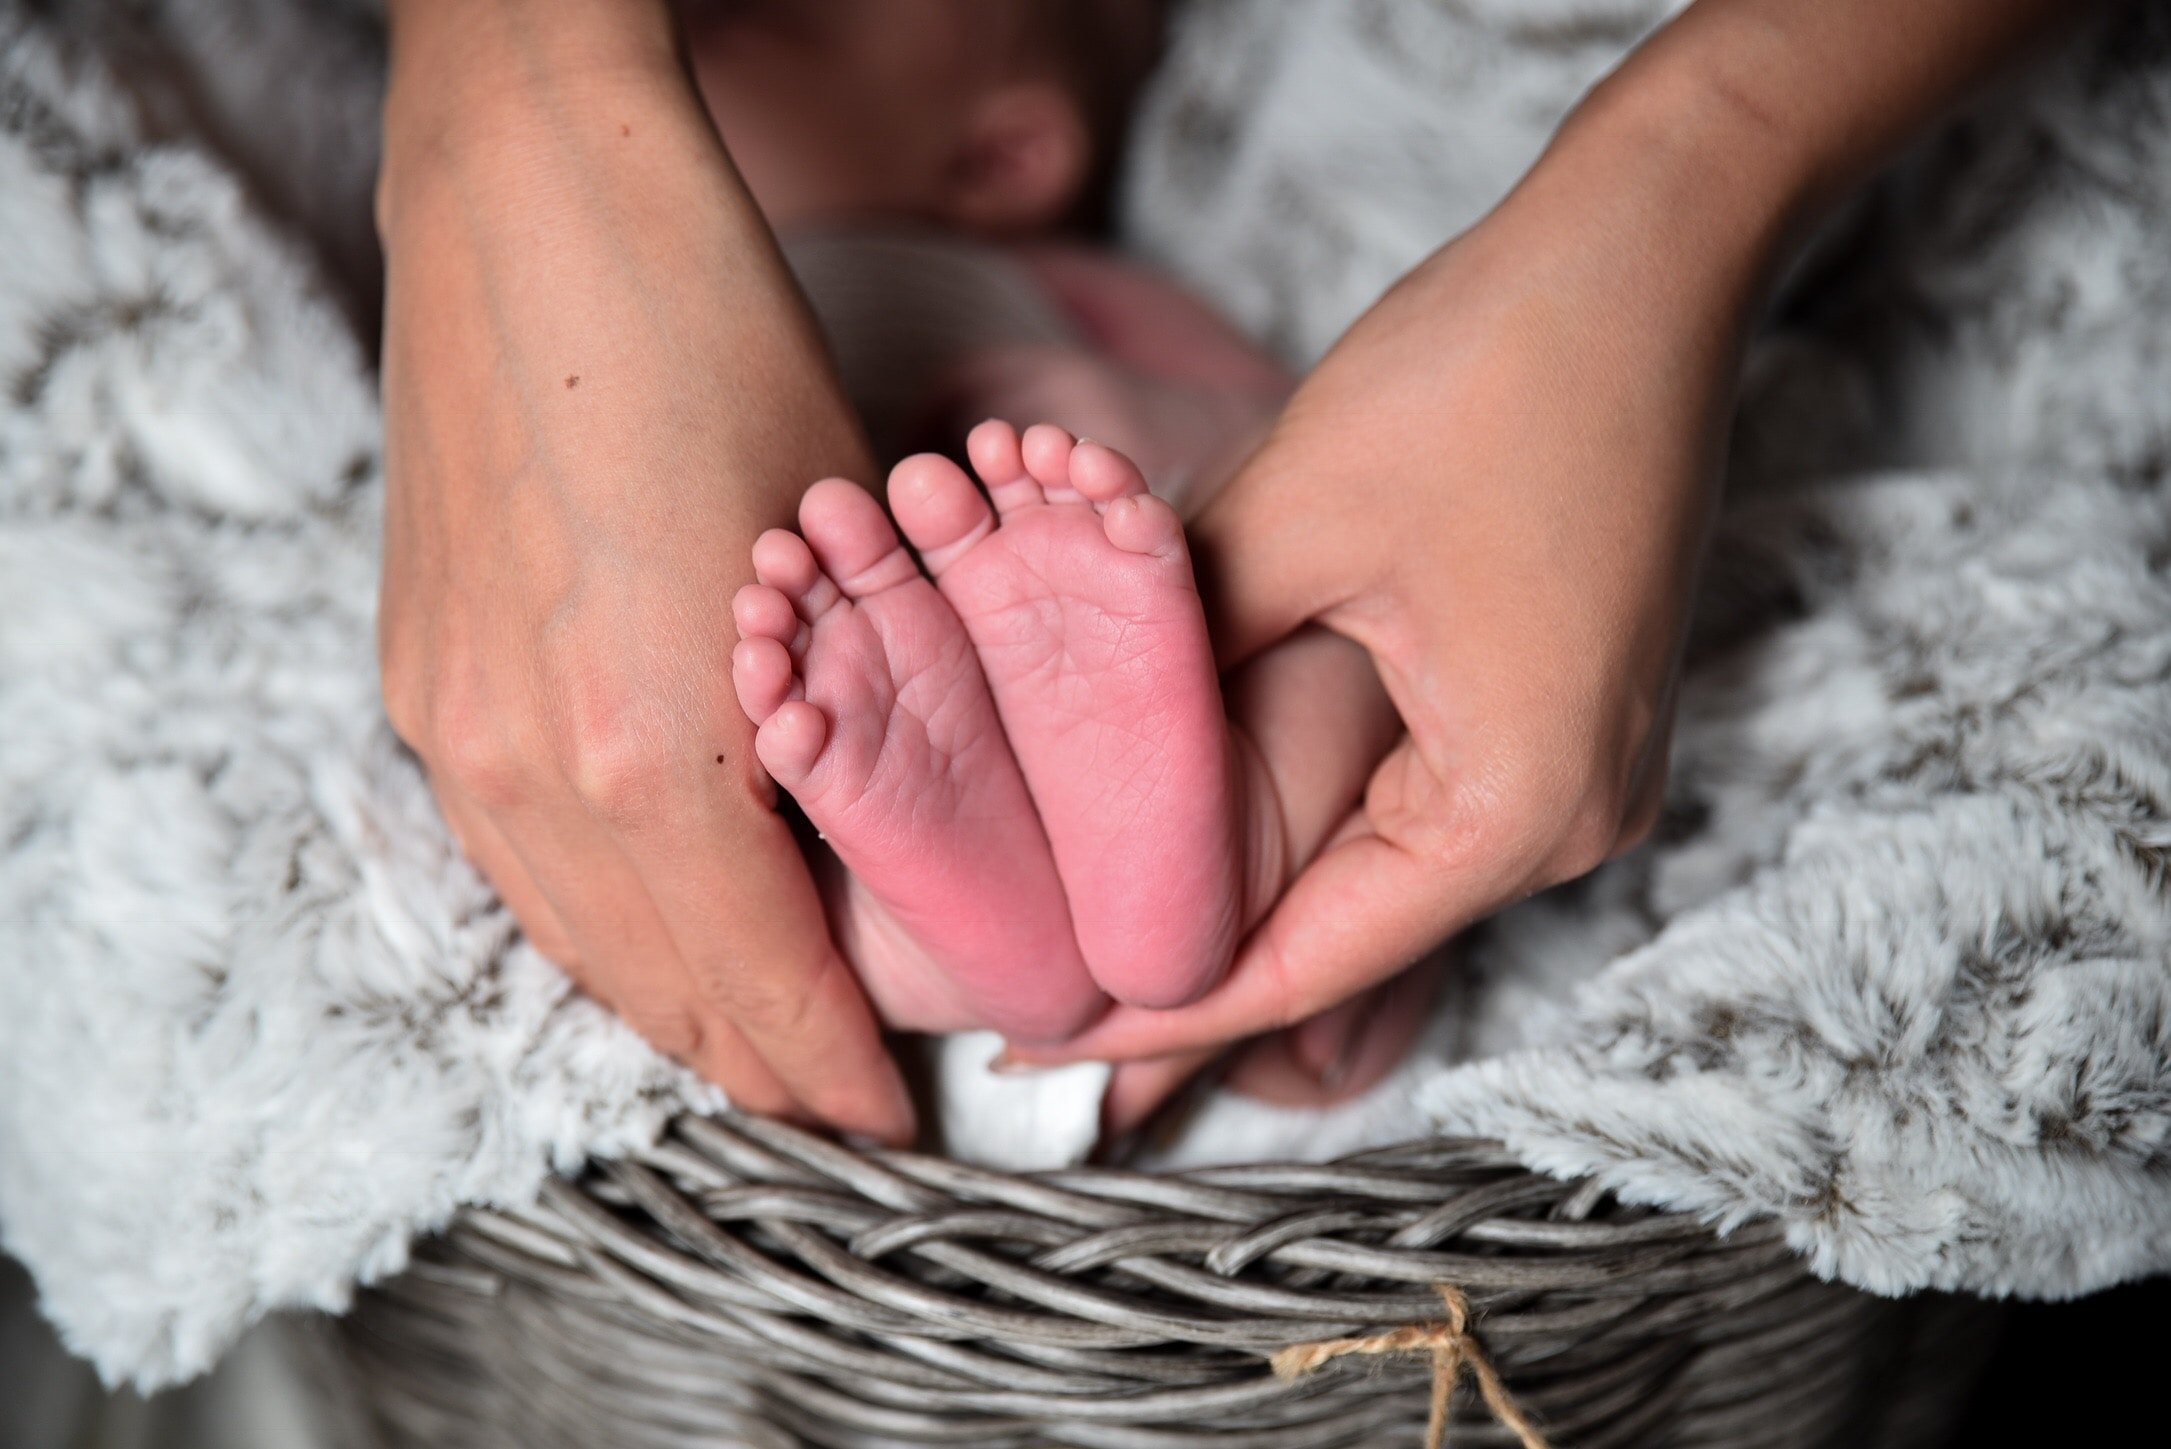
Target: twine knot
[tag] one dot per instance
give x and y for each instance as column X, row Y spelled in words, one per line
column 1451, row 1345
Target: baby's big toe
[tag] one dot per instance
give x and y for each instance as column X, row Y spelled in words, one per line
column 852, row 540
column 938, row 508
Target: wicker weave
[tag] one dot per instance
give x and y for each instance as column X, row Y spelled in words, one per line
column 747, row 1283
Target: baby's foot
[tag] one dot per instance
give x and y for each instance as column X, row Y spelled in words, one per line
column 1081, row 603
column 873, row 713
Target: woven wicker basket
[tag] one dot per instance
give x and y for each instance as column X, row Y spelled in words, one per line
column 745, row 1283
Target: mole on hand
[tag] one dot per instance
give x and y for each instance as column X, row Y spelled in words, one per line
column 573, row 380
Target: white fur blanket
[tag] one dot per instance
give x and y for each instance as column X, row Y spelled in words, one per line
column 1895, row 972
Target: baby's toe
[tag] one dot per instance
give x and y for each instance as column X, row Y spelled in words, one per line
column 783, row 561
column 1102, row 474
column 762, row 612
column 998, row 456
column 790, row 742
column 1145, row 524
column 761, row 672
column 1047, row 452
column 852, row 540
column 939, row 509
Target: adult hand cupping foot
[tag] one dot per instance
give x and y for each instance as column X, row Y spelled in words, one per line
column 1499, row 482
column 599, row 389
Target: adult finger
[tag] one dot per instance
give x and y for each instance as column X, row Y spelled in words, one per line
column 488, row 850
column 728, row 1059
column 1372, row 904
column 1137, row 1090
column 739, row 905
column 1344, row 1052
column 624, row 957
column 1360, row 913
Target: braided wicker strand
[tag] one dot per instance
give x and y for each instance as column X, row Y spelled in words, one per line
column 746, row 1283
column 1451, row 1344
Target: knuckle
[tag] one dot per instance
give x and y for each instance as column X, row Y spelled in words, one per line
column 470, row 746
column 771, row 1006
column 1559, row 822
column 615, row 763
column 1407, row 802
column 1498, row 814
column 767, row 1008
column 1590, row 836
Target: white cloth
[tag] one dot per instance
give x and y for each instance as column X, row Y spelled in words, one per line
column 1895, row 973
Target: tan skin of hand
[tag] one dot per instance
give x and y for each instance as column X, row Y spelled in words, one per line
column 1500, row 480
column 599, row 388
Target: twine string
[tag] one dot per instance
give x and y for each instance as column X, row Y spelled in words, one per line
column 1452, row 1346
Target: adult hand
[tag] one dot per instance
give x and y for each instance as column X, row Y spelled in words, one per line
column 1498, row 483
column 599, row 388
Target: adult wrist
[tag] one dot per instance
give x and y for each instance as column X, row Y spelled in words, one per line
column 487, row 40
column 1770, row 112
column 1688, row 177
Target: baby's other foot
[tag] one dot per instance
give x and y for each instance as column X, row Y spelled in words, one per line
column 871, row 710
column 1077, row 592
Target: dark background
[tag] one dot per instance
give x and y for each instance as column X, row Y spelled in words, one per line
column 2070, row 1373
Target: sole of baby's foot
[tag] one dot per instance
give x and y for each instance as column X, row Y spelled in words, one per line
column 1077, row 590
column 870, row 709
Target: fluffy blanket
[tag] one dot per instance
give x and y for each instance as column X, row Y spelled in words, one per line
column 1895, row 972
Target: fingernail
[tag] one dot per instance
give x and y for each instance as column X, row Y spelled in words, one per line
column 1006, row 1065
column 1337, row 1070
column 1322, row 1047
column 1335, row 1075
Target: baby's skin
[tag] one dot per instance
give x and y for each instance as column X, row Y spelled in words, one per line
column 1025, row 762
column 1047, row 728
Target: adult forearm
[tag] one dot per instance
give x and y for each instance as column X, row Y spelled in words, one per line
column 558, row 150
column 500, row 85
column 1836, row 86
column 1689, row 176
column 1764, row 113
